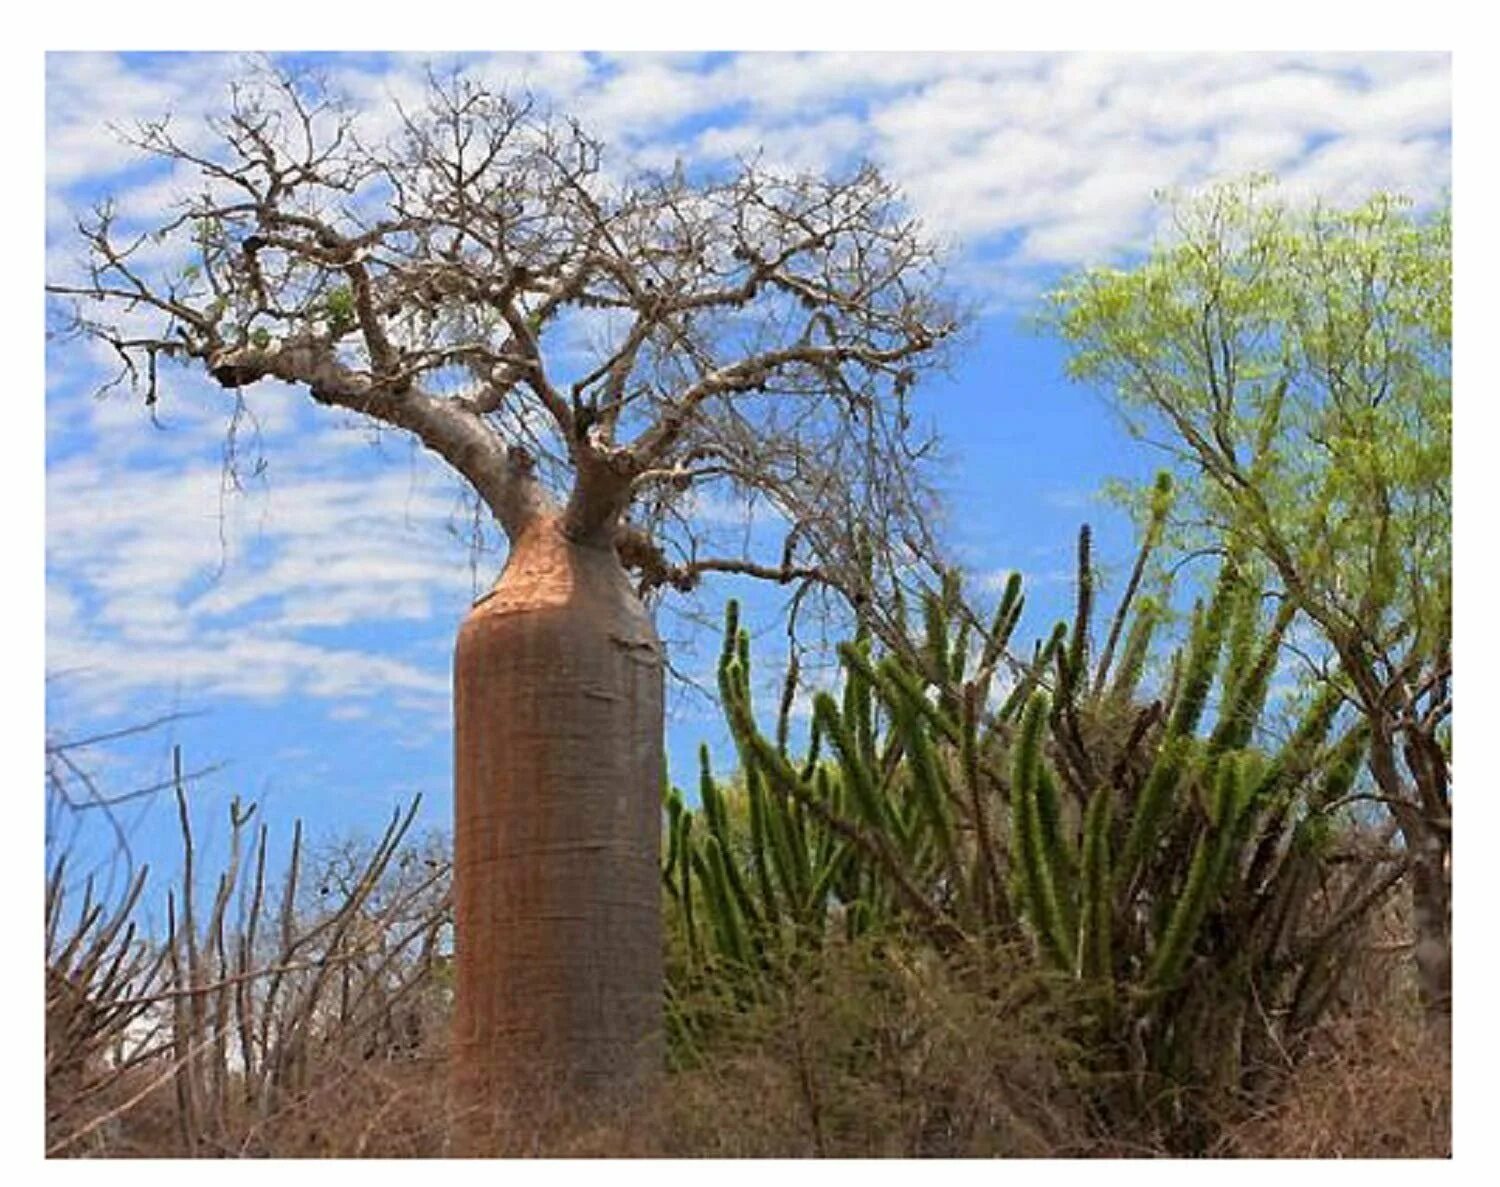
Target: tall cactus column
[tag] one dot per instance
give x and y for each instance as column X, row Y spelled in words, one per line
column 557, row 912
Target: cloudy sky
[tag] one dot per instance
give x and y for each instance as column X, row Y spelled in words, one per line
column 307, row 615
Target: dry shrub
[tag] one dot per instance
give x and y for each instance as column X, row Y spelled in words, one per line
column 312, row 1026
column 881, row 1046
column 1375, row 1080
column 364, row 1109
column 1373, row 1086
column 348, row 1107
column 864, row 1050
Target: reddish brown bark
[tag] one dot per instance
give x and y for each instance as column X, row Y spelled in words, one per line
column 558, row 764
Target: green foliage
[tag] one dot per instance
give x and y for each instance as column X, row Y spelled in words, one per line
column 338, row 310
column 1299, row 360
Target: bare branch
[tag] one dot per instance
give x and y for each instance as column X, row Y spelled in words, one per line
column 756, row 330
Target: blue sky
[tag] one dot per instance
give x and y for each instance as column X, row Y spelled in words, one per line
column 308, row 619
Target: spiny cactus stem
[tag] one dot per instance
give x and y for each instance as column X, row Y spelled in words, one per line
column 1161, row 504
column 1083, row 611
column 784, row 780
column 969, row 760
column 1095, row 915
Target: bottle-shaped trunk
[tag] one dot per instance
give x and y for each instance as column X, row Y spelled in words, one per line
column 558, row 765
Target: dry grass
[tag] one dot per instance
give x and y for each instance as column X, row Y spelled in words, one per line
column 875, row 1052
column 1373, row 1086
column 1372, row 1081
column 841, row 1067
column 872, row 1049
column 349, row 1109
column 865, row 1054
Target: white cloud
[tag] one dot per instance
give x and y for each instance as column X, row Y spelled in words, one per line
column 816, row 146
column 1346, row 171
column 1069, row 150
column 239, row 663
column 1031, row 162
column 89, row 92
column 645, row 92
column 1061, row 152
column 157, row 579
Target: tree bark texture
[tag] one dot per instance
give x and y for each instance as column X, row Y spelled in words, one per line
column 558, row 768
column 1432, row 923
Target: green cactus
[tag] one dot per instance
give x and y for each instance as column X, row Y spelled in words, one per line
column 1247, row 678
column 1002, row 626
column 715, row 869
column 1154, row 806
column 1211, row 855
column 1082, row 614
column 759, row 844
column 1142, row 847
column 715, row 813
column 687, row 856
column 1137, row 648
column 1205, row 640
column 1096, row 906
column 1035, row 841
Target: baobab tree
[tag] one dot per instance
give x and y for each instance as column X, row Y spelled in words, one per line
column 589, row 352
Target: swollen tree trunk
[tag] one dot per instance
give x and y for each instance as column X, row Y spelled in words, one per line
column 558, row 767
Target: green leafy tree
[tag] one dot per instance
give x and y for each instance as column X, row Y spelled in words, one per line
column 1297, row 362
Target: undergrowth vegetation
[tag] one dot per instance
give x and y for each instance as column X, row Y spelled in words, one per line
column 1183, row 883
column 1083, row 901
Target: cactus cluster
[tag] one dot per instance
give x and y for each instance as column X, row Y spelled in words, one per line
column 1155, row 848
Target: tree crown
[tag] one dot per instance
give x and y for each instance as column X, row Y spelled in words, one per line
column 569, row 340
column 1297, row 360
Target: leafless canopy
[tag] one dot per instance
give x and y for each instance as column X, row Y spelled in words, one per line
column 566, row 338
